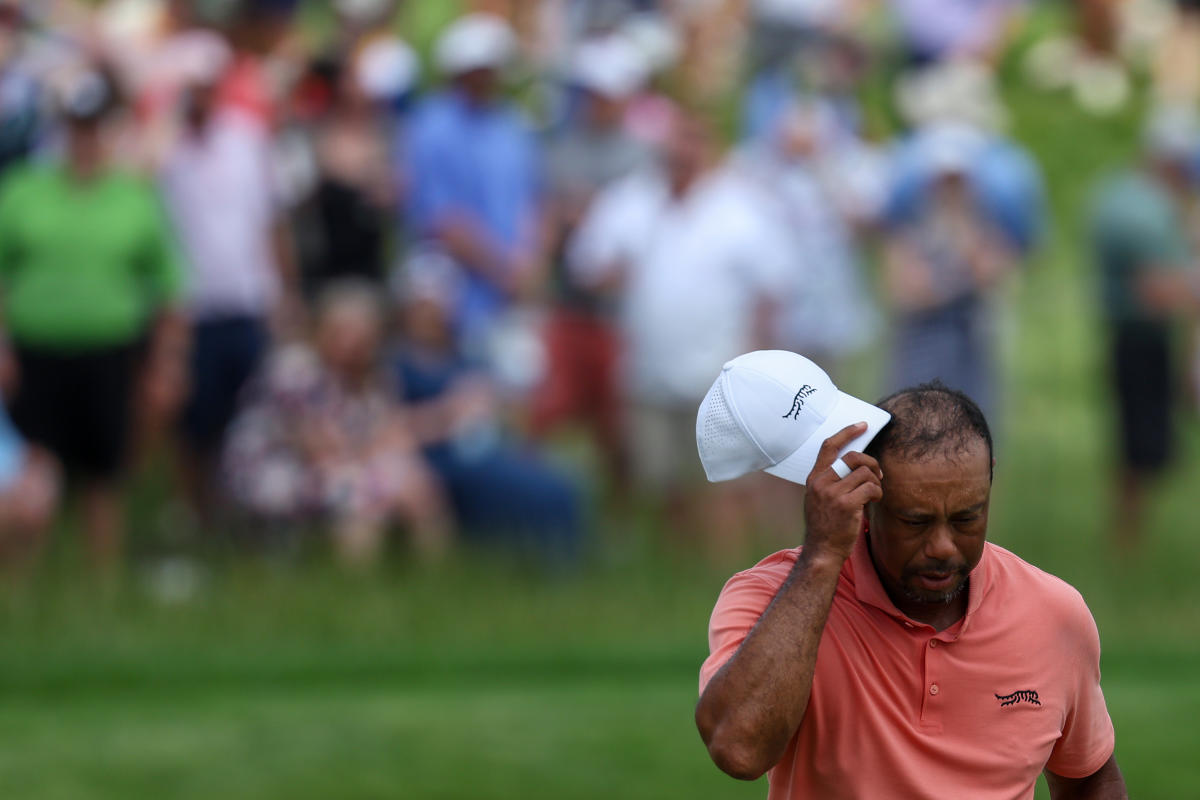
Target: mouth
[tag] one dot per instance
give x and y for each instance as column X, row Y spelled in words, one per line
column 937, row 581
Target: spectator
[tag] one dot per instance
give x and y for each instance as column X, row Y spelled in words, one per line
column 941, row 268
column 582, row 344
column 349, row 212
column 694, row 262
column 322, row 441
column 501, row 490
column 219, row 189
column 473, row 164
column 89, row 278
column 1149, row 278
column 826, row 186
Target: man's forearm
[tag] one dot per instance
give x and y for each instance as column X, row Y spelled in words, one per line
column 751, row 708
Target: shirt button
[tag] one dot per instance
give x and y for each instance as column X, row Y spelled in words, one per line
column 933, row 688
column 933, row 642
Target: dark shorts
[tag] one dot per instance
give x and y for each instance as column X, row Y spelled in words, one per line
column 1141, row 359
column 79, row 406
column 225, row 353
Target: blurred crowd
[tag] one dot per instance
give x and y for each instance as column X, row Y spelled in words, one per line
column 355, row 286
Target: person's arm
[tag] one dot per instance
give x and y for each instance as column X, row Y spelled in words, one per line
column 1105, row 783
column 753, row 705
column 906, row 276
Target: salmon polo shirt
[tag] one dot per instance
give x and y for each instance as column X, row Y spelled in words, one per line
column 899, row 710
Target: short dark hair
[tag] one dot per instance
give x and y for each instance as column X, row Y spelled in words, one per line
column 927, row 419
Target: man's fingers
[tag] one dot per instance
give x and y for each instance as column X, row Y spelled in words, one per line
column 831, row 446
column 869, row 491
column 855, row 479
column 854, row 460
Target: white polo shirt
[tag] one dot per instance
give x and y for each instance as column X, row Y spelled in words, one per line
column 219, row 190
column 694, row 270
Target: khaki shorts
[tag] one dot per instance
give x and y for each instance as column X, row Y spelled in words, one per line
column 662, row 446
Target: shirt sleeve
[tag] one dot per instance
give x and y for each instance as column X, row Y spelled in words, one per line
column 432, row 174
column 605, row 237
column 741, row 604
column 1088, row 738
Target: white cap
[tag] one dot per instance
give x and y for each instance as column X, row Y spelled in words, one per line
column 386, row 68
column 475, row 41
column 772, row 410
column 611, row 67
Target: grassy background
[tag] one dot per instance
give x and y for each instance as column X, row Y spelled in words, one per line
column 283, row 677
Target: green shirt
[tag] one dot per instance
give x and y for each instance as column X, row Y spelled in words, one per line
column 1135, row 227
column 83, row 264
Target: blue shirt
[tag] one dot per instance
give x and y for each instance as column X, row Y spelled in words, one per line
column 482, row 161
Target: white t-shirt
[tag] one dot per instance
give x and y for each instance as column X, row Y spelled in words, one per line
column 694, row 270
column 220, row 192
column 827, row 310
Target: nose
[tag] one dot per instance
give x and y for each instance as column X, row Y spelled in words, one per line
column 939, row 545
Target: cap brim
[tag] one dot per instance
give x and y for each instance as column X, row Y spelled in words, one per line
column 848, row 411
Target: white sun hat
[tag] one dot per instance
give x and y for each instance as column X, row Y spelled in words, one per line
column 771, row 410
column 475, row 41
column 610, row 66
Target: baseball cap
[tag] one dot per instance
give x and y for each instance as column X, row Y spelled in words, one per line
column 771, row 410
column 610, row 67
column 475, row 41
column 386, row 68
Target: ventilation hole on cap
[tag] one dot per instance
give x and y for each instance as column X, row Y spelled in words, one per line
column 720, row 427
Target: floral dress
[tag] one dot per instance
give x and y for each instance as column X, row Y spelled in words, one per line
column 307, row 447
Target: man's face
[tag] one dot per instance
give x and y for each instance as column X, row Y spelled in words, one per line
column 928, row 531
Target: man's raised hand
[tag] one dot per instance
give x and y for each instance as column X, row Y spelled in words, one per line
column 833, row 505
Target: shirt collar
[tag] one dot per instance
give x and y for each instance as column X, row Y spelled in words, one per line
column 869, row 589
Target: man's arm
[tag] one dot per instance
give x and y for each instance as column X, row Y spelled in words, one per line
column 753, row 705
column 1105, row 783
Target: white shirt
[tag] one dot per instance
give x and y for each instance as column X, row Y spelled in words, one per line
column 695, row 269
column 827, row 310
column 219, row 191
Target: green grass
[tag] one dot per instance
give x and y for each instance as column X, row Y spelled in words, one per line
column 285, row 678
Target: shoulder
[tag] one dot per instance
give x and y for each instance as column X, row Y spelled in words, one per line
column 1128, row 194
column 768, row 574
column 1022, row 585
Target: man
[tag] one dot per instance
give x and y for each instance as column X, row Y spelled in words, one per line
column 695, row 262
column 218, row 188
column 943, row 266
column 473, row 165
column 1148, row 279
column 897, row 653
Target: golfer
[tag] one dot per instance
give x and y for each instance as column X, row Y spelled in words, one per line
column 897, row 654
